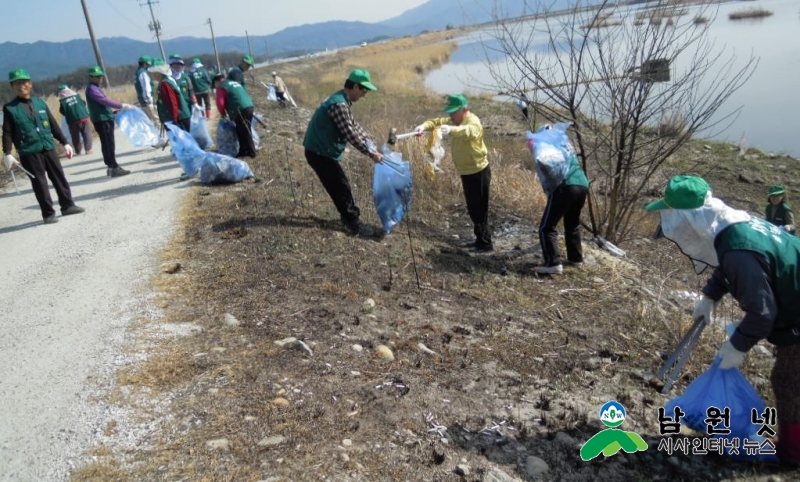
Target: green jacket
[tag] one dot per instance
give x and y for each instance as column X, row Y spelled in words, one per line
column 200, row 80
column 164, row 114
column 97, row 111
column 322, row 136
column 236, row 98
column 32, row 135
column 185, row 85
column 782, row 250
column 74, row 109
column 782, row 215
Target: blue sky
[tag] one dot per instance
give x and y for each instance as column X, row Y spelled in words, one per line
column 59, row 20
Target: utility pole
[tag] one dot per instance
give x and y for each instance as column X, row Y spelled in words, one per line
column 95, row 45
column 155, row 26
column 214, row 41
column 249, row 47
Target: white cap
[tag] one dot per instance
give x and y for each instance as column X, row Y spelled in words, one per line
column 274, row 73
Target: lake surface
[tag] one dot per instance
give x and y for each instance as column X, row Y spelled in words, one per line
column 769, row 101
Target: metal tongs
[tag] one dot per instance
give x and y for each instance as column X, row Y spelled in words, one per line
column 681, row 354
column 14, row 178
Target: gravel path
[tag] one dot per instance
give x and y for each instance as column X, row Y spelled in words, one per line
column 69, row 292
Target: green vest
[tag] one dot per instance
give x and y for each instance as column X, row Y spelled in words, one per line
column 138, row 85
column 98, row 112
column 236, row 98
column 777, row 215
column 782, row 251
column 74, row 109
column 161, row 106
column 200, row 80
column 185, row 86
column 32, row 135
column 575, row 176
column 322, row 135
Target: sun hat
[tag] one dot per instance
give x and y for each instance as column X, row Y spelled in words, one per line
column 361, row 77
column 455, row 103
column 159, row 69
column 176, row 59
column 146, row 59
column 777, row 190
column 248, row 60
column 18, row 74
column 95, row 71
column 683, row 192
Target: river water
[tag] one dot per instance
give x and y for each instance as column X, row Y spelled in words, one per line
column 768, row 119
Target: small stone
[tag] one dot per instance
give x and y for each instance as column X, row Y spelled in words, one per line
column 286, row 341
column 280, row 402
column 171, row 268
column 304, row 348
column 355, row 373
column 250, row 418
column 462, row 470
column 272, row 441
column 536, row 467
column 358, row 348
column 347, row 442
column 218, row 349
column 383, row 351
column 425, row 349
column 231, row 320
column 219, row 444
column 344, row 457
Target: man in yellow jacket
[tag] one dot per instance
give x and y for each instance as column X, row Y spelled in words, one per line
column 469, row 157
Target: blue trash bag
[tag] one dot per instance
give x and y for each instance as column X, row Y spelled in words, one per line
column 220, row 169
column 256, row 138
column 552, row 154
column 392, row 188
column 722, row 388
column 137, row 127
column 226, row 138
column 199, row 129
column 185, row 149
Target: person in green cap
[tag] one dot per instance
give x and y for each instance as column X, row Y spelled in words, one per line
column 171, row 105
column 778, row 212
column 144, row 87
column 234, row 102
column 201, row 84
column 758, row 264
column 101, row 111
column 178, row 67
column 469, row 156
column 331, row 127
column 73, row 108
column 29, row 126
column 236, row 74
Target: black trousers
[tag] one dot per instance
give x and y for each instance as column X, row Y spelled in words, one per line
column 476, row 193
column 80, row 131
column 247, row 148
column 566, row 202
column 334, row 180
column 46, row 165
column 105, row 131
column 202, row 100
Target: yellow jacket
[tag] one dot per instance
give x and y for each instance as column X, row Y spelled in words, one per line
column 469, row 151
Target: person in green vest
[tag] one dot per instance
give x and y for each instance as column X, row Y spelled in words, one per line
column 177, row 67
column 778, row 212
column 236, row 73
column 171, row 105
column 331, row 127
column 144, row 86
column 101, row 111
column 201, row 83
column 73, row 108
column 233, row 102
column 472, row 163
column 29, row 126
column 758, row 264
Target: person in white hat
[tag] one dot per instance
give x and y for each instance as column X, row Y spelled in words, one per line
column 280, row 88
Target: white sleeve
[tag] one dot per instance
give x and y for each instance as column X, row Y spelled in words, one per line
column 147, row 91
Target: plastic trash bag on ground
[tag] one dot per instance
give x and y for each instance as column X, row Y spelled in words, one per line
column 253, row 123
column 434, row 152
column 227, row 142
column 272, row 95
column 552, row 155
column 392, row 188
column 720, row 389
column 185, row 149
column 137, row 127
column 199, row 128
column 219, row 169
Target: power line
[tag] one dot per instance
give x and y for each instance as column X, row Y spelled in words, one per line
column 155, row 26
column 121, row 14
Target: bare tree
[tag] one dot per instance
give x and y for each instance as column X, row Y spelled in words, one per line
column 635, row 85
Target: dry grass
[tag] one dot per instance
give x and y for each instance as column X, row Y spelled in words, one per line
column 749, row 13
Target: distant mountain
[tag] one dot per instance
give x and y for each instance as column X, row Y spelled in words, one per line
column 48, row 59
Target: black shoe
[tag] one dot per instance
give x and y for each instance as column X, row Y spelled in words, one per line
column 72, row 210
column 361, row 230
column 573, row 264
column 484, row 248
column 108, row 171
column 52, row 219
column 118, row 171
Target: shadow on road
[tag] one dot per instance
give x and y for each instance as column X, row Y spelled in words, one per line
column 20, row 227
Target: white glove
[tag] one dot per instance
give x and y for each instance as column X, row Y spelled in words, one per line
column 9, row 161
column 419, row 130
column 69, row 150
column 127, row 106
column 445, row 130
column 731, row 357
column 705, row 308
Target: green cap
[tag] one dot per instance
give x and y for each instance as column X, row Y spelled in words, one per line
column 176, row 59
column 248, row 60
column 683, row 192
column 776, row 190
column 63, row 86
column 95, row 71
column 361, row 77
column 455, row 103
column 18, row 74
column 146, row 59
column 158, row 61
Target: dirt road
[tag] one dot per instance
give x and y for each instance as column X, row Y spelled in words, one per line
column 69, row 292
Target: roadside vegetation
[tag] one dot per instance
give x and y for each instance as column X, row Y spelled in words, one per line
column 749, row 13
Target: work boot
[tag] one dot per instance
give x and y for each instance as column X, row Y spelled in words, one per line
column 360, row 230
column 52, row 219
column 72, row 210
column 118, row 171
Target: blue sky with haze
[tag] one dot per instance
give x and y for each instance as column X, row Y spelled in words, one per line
column 60, row 20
